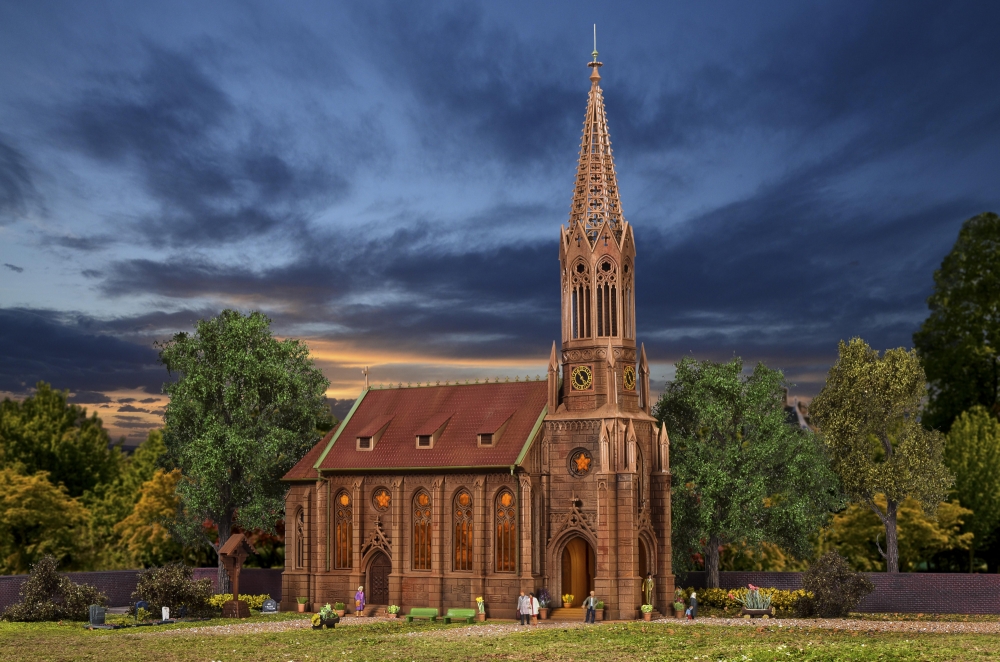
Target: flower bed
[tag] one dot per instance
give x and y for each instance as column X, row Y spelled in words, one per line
column 724, row 602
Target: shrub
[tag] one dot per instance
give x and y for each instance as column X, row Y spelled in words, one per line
column 253, row 601
column 835, row 588
column 173, row 586
column 544, row 597
column 49, row 596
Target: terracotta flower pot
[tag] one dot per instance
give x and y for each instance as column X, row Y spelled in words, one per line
column 302, row 607
column 341, row 612
column 647, row 616
column 543, row 613
column 392, row 615
column 567, row 605
column 480, row 616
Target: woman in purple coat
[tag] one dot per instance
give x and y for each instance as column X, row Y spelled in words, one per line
column 359, row 601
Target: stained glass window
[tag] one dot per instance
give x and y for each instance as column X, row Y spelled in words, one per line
column 463, row 531
column 505, row 545
column 422, row 531
column 344, row 532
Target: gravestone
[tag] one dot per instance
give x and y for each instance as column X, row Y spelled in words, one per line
column 270, row 607
column 97, row 615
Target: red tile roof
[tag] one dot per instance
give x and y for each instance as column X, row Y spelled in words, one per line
column 469, row 408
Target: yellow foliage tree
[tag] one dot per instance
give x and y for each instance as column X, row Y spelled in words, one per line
column 38, row 518
column 146, row 532
column 857, row 534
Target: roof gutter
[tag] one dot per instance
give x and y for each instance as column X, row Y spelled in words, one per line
column 531, row 438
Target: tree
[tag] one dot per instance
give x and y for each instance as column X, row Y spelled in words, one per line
column 959, row 342
column 972, row 453
column 869, row 414
column 242, row 412
column 741, row 474
column 855, row 532
column 110, row 503
column 45, row 433
column 37, row 519
column 146, row 532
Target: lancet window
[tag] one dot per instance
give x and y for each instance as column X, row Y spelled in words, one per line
column 463, row 531
column 422, row 531
column 607, row 299
column 580, row 305
column 300, row 539
column 343, row 532
column 627, row 305
column 505, row 545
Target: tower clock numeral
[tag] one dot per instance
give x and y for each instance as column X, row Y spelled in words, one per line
column 582, row 377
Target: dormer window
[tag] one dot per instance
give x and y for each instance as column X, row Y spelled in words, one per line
column 492, row 428
column 370, row 434
column 431, row 430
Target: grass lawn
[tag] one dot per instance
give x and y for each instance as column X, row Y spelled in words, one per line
column 396, row 641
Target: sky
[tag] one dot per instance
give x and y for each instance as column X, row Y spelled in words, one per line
column 386, row 181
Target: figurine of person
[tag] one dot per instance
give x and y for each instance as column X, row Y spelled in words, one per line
column 648, row 588
column 694, row 605
column 359, row 601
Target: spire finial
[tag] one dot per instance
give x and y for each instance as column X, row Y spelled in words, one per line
column 595, row 42
column 595, row 65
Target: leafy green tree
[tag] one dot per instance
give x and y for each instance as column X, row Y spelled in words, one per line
column 972, row 453
column 110, row 503
column 741, row 473
column 959, row 342
column 38, row 519
column 869, row 414
column 855, row 532
column 146, row 533
column 46, row 433
column 242, row 412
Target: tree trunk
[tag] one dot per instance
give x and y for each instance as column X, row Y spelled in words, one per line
column 972, row 558
column 891, row 540
column 225, row 529
column 712, row 563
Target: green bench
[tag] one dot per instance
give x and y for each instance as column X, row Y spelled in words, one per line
column 430, row 613
column 458, row 614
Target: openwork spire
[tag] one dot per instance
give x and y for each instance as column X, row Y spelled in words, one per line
column 595, row 199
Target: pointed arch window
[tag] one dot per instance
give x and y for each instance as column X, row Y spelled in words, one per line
column 343, row 532
column 580, row 301
column 506, row 543
column 627, row 305
column 607, row 298
column 422, row 531
column 300, row 539
column 463, row 531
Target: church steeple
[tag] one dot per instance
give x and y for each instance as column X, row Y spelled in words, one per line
column 597, row 256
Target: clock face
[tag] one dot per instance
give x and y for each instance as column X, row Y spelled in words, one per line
column 628, row 378
column 582, row 377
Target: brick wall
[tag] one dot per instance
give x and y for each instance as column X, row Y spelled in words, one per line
column 929, row 593
column 118, row 585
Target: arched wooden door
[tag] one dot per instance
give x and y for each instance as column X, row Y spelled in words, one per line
column 578, row 569
column 378, row 579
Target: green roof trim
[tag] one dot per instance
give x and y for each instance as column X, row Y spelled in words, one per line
column 531, row 435
column 343, row 426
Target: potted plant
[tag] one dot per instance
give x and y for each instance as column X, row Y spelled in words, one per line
column 392, row 611
column 326, row 617
column 647, row 612
column 481, row 609
column 544, row 600
column 302, row 604
column 340, row 608
column 567, row 600
column 678, row 609
column 755, row 603
column 599, row 610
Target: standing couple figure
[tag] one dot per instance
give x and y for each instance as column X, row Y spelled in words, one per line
column 527, row 606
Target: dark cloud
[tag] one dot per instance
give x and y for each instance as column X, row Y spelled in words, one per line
column 91, row 273
column 147, row 401
column 88, row 397
column 125, row 400
column 14, row 267
column 17, row 191
column 130, row 409
column 85, row 244
column 218, row 174
column 43, row 345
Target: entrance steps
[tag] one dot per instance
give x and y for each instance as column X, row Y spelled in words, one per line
column 568, row 614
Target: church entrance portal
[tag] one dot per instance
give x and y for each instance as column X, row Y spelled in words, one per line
column 579, row 565
column 378, row 579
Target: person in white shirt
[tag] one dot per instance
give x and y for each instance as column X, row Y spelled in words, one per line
column 590, row 604
column 534, row 608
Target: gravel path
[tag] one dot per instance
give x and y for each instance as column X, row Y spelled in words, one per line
column 502, row 629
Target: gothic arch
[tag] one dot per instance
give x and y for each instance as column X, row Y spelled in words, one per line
column 559, row 574
column 299, row 539
column 581, row 284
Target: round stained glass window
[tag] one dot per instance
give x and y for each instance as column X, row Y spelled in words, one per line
column 580, row 462
column 381, row 499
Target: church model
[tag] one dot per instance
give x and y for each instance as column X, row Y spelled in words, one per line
column 431, row 496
